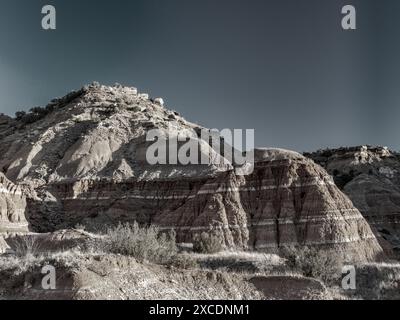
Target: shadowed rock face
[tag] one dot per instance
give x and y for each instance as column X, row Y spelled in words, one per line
column 83, row 161
column 12, row 207
column 370, row 176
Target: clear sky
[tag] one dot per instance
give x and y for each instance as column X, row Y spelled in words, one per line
column 282, row 67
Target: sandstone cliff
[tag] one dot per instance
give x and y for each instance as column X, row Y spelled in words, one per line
column 370, row 176
column 290, row 201
column 81, row 160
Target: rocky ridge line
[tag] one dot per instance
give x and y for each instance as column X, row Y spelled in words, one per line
column 83, row 161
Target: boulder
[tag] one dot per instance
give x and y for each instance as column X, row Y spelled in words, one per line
column 159, row 101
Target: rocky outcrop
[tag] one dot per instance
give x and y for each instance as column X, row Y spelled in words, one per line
column 12, row 207
column 292, row 201
column 83, row 161
column 370, row 176
column 4, row 247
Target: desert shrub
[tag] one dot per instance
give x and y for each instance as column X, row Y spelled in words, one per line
column 20, row 114
column 35, row 114
column 239, row 261
column 342, row 179
column 144, row 244
column 184, row 261
column 25, row 246
column 378, row 281
column 38, row 110
column 311, row 262
column 30, row 118
column 80, row 227
column 207, row 243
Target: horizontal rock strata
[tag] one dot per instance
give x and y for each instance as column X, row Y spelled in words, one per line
column 370, row 176
column 82, row 160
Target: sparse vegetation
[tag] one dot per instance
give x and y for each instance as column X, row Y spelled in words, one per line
column 207, row 243
column 342, row 179
column 374, row 281
column 144, row 244
column 26, row 246
column 80, row 227
column 35, row 114
column 314, row 263
column 239, row 261
column 19, row 115
column 378, row 281
column 184, row 261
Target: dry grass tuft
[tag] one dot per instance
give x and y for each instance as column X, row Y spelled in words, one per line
column 144, row 244
column 26, row 246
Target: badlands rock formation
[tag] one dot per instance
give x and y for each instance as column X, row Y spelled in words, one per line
column 290, row 201
column 82, row 160
column 370, row 176
column 12, row 208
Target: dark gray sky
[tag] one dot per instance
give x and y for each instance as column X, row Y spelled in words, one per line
column 283, row 67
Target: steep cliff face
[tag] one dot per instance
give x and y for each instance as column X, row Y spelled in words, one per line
column 370, row 176
column 12, row 207
column 189, row 206
column 83, row 161
column 291, row 200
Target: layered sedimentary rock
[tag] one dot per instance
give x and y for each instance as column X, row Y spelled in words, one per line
column 83, row 161
column 291, row 201
column 12, row 207
column 370, row 176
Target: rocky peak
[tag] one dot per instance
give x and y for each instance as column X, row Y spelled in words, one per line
column 78, row 135
column 100, row 100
